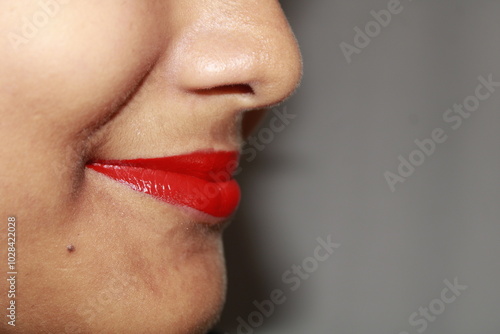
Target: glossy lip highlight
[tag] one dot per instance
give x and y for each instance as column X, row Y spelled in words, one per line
column 201, row 180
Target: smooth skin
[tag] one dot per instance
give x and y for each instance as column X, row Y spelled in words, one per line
column 123, row 79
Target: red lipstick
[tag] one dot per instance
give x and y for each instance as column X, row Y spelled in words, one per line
column 200, row 180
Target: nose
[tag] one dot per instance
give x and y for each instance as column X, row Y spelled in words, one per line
column 243, row 50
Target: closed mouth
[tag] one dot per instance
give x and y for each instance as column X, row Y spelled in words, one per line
column 200, row 180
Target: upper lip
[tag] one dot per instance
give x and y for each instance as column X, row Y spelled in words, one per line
column 201, row 164
column 201, row 180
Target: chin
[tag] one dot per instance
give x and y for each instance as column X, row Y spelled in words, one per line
column 136, row 265
column 179, row 300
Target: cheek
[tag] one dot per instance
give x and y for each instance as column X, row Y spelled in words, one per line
column 60, row 86
column 79, row 66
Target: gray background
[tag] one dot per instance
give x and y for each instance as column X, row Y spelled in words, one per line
column 324, row 174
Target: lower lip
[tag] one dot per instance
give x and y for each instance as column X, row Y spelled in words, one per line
column 200, row 181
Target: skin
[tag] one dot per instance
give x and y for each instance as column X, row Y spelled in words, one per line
column 124, row 79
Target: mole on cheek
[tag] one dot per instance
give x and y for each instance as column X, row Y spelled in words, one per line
column 70, row 248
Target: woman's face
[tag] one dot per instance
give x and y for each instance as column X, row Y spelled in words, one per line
column 89, row 80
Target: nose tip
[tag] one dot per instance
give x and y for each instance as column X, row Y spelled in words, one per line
column 247, row 51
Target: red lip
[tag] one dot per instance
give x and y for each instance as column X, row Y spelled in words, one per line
column 200, row 180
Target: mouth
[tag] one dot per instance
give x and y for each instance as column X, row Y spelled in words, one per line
column 201, row 180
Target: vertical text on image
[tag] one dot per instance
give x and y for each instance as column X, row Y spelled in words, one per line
column 12, row 270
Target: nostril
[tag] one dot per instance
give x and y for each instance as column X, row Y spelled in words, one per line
column 226, row 90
